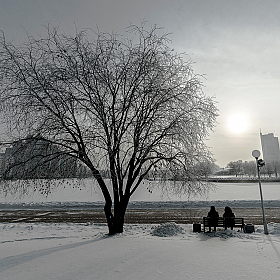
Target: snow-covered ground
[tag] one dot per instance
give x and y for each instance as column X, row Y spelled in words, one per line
column 85, row 251
column 40, row 251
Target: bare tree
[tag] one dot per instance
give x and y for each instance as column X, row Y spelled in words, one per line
column 206, row 168
column 129, row 105
column 274, row 166
column 250, row 168
column 236, row 167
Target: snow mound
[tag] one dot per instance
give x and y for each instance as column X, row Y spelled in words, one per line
column 168, row 229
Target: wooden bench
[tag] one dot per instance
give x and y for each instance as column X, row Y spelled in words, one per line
column 222, row 222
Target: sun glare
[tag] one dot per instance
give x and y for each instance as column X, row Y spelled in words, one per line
column 238, row 123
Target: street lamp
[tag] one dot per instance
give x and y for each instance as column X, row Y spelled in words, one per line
column 260, row 163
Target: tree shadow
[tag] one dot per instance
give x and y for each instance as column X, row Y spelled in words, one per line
column 13, row 261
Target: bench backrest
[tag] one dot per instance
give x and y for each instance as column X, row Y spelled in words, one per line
column 208, row 221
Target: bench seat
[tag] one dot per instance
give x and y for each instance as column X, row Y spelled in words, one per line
column 221, row 222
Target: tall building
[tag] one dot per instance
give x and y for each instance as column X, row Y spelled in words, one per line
column 270, row 147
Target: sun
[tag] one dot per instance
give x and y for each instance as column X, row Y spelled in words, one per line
column 238, row 123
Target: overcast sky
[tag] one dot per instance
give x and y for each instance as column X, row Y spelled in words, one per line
column 235, row 43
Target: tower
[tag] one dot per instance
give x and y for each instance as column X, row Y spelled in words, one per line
column 270, row 147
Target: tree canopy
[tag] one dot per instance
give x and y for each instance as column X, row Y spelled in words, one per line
column 126, row 104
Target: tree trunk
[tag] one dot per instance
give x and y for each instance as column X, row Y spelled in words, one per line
column 109, row 217
column 115, row 222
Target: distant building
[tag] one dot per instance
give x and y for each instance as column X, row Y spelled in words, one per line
column 36, row 158
column 270, row 147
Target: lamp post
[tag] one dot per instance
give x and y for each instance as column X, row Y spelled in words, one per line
column 260, row 163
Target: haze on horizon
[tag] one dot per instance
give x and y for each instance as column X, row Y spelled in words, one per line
column 234, row 43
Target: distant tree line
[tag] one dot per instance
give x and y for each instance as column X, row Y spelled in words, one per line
column 248, row 168
column 203, row 169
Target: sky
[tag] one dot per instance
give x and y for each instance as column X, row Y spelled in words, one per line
column 234, row 43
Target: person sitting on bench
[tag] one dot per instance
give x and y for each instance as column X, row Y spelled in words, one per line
column 214, row 216
column 228, row 215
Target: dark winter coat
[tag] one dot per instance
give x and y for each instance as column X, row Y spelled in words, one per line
column 214, row 215
column 228, row 215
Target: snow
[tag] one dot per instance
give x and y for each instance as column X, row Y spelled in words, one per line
column 168, row 251
column 84, row 251
column 168, row 229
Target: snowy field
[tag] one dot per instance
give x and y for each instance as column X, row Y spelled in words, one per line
column 158, row 252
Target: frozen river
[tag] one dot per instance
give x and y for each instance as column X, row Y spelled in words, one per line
column 150, row 191
column 149, row 196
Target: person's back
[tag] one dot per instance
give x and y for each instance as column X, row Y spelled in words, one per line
column 228, row 215
column 213, row 213
column 213, row 216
